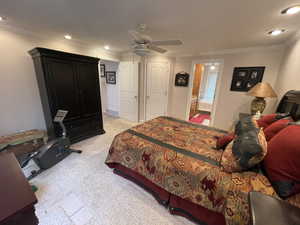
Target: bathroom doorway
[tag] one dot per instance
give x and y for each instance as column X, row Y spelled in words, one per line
column 203, row 92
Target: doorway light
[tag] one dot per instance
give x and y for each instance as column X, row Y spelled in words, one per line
column 68, row 37
column 291, row 10
column 212, row 67
column 276, row 32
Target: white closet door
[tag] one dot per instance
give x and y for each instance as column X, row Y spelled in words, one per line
column 157, row 89
column 129, row 86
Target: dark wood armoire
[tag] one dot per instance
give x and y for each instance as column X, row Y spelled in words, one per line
column 69, row 82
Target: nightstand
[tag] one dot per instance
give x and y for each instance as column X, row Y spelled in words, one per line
column 265, row 209
column 17, row 198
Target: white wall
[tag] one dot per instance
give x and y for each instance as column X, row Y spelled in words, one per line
column 229, row 104
column 110, row 92
column 289, row 75
column 19, row 96
column 20, row 102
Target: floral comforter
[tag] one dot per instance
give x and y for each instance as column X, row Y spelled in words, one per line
column 180, row 157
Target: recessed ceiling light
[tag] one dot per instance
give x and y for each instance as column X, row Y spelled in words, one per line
column 2, row 18
column 291, row 10
column 213, row 67
column 68, row 37
column 276, row 32
column 106, row 47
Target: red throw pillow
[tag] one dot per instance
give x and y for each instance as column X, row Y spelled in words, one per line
column 275, row 127
column 267, row 120
column 223, row 141
column 282, row 163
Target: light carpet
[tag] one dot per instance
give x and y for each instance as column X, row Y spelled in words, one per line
column 82, row 190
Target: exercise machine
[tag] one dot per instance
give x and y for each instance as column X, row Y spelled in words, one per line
column 52, row 152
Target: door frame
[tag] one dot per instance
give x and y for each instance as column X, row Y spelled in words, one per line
column 146, row 62
column 217, row 91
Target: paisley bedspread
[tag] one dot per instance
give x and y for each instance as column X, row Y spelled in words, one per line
column 180, row 157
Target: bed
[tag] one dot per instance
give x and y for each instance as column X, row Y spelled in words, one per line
column 177, row 162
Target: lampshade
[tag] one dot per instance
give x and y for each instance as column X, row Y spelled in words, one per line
column 262, row 90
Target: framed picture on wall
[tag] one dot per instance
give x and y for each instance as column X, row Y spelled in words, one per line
column 182, row 79
column 244, row 78
column 111, row 77
column 102, row 70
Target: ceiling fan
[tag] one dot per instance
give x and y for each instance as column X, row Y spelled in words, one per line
column 143, row 44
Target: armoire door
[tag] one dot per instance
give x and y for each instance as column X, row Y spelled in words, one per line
column 158, row 74
column 89, row 89
column 129, row 89
column 62, row 85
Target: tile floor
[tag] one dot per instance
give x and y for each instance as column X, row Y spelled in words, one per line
column 82, row 190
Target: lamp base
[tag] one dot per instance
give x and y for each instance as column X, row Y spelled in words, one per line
column 258, row 104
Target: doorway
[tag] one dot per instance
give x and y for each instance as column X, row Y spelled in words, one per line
column 157, row 84
column 203, row 92
column 129, row 90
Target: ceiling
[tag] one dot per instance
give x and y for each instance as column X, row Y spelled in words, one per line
column 203, row 25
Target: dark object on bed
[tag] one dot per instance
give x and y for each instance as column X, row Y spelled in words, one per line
column 69, row 82
column 290, row 103
column 249, row 146
column 268, row 210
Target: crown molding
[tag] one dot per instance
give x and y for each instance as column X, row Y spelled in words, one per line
column 119, row 55
column 235, row 51
column 44, row 37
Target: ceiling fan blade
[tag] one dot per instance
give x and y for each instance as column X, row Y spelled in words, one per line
column 138, row 37
column 167, row 42
column 157, row 49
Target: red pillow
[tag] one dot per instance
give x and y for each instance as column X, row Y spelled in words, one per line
column 275, row 127
column 223, row 141
column 282, row 163
column 267, row 120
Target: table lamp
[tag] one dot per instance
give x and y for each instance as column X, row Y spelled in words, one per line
column 260, row 91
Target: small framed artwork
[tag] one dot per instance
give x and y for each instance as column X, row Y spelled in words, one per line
column 111, row 77
column 245, row 78
column 102, row 70
column 182, row 79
